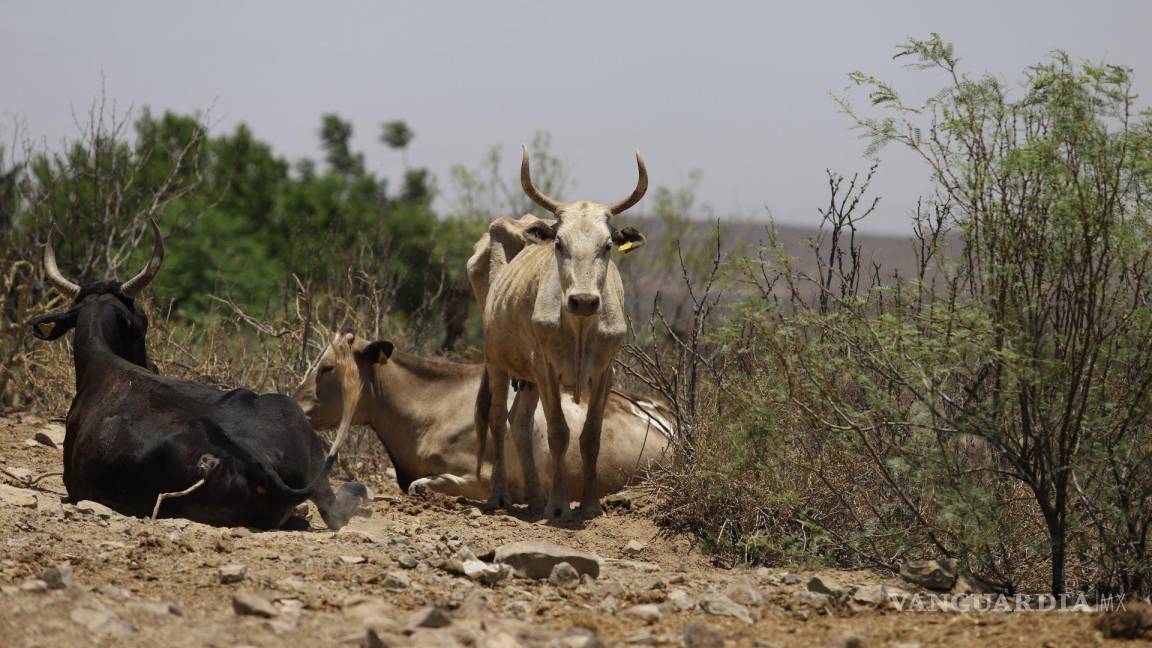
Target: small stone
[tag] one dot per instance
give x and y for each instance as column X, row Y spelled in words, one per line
column 533, row 559
column 58, row 577
column 429, row 617
column 34, row 585
column 240, row 532
column 95, row 508
column 100, row 622
column 609, row 605
column 870, row 594
column 233, row 573
column 395, row 582
column 702, row 635
column 825, row 584
column 564, row 576
column 152, row 607
column 720, row 605
column 812, row 599
column 745, row 593
column 790, row 579
column 406, row 561
column 681, row 600
column 635, row 548
column 250, row 604
column 648, row 612
column 930, row 574
column 353, row 560
column 20, row 497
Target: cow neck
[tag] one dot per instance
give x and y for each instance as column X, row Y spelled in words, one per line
column 398, row 406
column 94, row 348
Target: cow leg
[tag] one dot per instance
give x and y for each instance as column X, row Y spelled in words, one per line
column 549, row 387
column 498, row 424
column 590, row 443
column 446, row 484
column 523, row 420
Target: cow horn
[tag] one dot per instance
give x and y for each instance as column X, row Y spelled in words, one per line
column 133, row 286
column 638, row 192
column 54, row 275
column 526, row 183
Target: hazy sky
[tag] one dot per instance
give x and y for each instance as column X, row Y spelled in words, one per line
column 738, row 90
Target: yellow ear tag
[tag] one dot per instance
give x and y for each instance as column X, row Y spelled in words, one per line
column 46, row 327
column 627, row 246
column 383, row 359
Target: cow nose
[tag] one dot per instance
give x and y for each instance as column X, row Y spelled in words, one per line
column 583, row 303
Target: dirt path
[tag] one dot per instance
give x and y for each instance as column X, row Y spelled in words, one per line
column 79, row 576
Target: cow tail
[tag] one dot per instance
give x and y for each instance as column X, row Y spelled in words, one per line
column 483, row 407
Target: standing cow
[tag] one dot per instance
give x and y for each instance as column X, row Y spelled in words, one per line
column 554, row 317
column 133, row 435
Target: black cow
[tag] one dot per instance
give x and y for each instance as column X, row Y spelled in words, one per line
column 133, row 434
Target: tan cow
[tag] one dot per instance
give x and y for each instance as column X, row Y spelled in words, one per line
column 421, row 410
column 554, row 317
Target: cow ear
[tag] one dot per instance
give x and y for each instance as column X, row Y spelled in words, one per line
column 628, row 239
column 378, row 352
column 540, row 232
column 52, row 326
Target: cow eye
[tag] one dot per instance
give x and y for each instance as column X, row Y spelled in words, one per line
column 559, row 245
column 324, row 370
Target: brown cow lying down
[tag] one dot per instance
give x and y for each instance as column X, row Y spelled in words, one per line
column 422, row 411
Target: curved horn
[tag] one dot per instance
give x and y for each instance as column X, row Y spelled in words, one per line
column 638, row 192
column 133, row 286
column 54, row 275
column 526, row 183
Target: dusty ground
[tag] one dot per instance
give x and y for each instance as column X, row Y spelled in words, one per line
column 130, row 582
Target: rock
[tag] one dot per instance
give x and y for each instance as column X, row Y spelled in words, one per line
column 353, row 560
column 20, row 497
column 790, row 579
column 533, row 559
column 870, row 594
column 395, row 582
column 825, row 584
column 564, row 576
column 101, row 622
column 608, row 605
column 484, row 573
column 618, row 500
column 812, row 599
column 95, row 508
column 34, row 585
column 250, row 604
column 648, row 613
column 19, row 474
column 745, row 593
column 58, row 577
column 681, row 600
column 702, row 635
column 635, row 548
column 406, row 561
column 846, row 642
column 930, row 574
column 377, row 638
column 232, row 573
column 429, row 617
column 720, row 605
column 1134, row 621
column 51, row 435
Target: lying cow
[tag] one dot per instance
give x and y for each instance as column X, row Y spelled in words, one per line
column 134, row 437
column 421, row 410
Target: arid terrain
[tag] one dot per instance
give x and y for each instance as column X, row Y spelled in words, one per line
column 81, row 575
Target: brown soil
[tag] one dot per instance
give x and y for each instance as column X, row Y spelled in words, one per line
column 158, row 583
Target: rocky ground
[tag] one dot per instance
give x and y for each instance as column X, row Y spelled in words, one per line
column 434, row 572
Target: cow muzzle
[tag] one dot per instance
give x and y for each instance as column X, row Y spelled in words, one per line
column 583, row 304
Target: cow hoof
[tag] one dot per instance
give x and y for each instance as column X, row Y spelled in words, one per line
column 536, row 507
column 559, row 510
column 497, row 502
column 589, row 510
